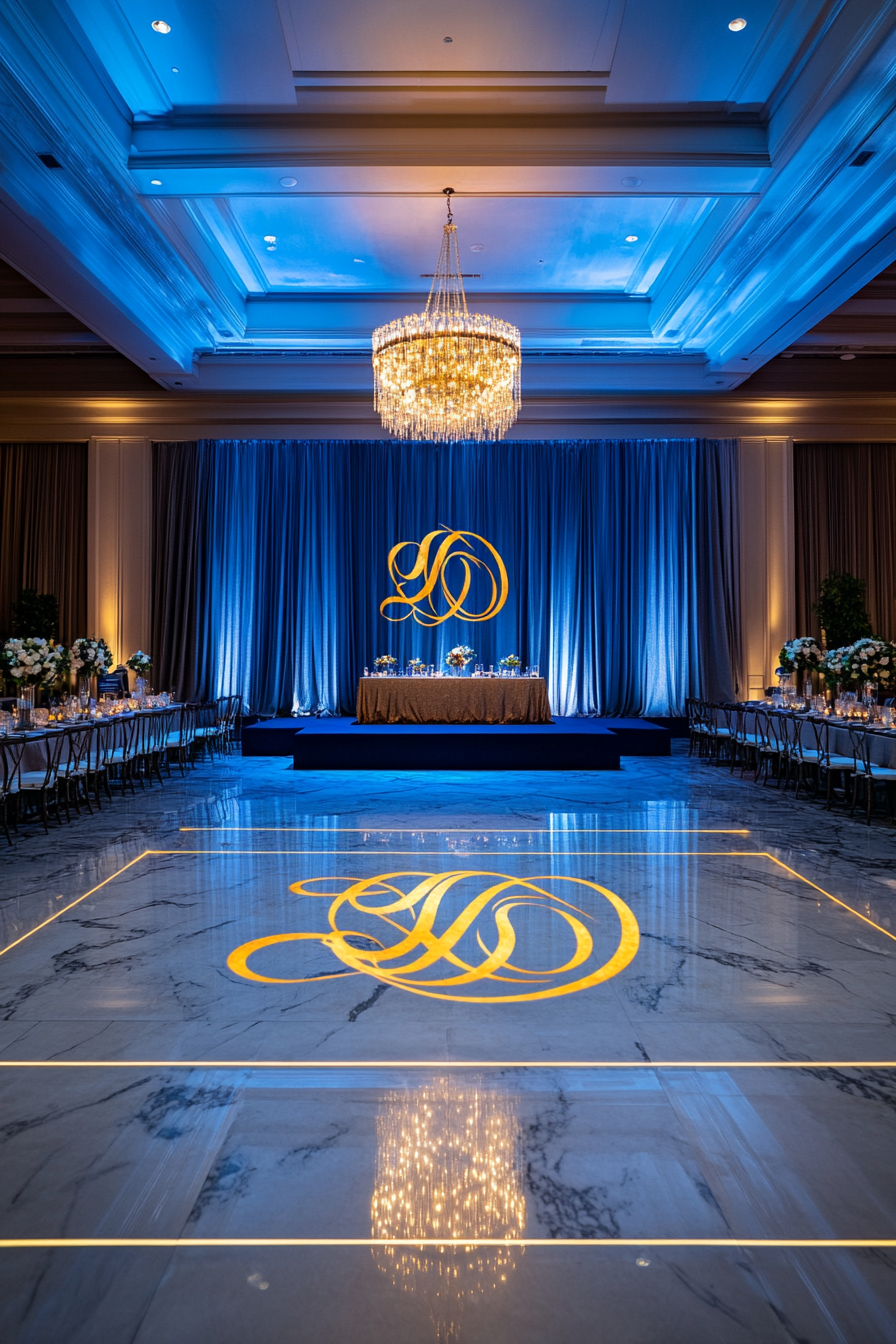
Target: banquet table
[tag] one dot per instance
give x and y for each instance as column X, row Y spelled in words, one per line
column 453, row 700
column 34, row 756
column 882, row 741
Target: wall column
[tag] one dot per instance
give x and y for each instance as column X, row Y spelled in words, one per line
column 119, row 543
column 766, row 558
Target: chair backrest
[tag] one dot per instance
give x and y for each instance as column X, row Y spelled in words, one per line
column 11, row 752
column 861, row 747
column 50, row 746
column 75, row 748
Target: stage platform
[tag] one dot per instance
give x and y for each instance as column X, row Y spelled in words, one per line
column 565, row 744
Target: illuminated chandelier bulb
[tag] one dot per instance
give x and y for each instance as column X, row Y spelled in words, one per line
column 446, row 374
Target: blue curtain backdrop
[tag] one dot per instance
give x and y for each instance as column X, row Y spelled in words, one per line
column 270, row 565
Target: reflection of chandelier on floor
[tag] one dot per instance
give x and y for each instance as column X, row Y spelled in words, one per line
column 448, row 1166
column 447, row 374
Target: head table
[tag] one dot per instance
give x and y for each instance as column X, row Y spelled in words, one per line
column 453, row 700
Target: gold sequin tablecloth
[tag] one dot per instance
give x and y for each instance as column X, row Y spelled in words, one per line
column 453, row 700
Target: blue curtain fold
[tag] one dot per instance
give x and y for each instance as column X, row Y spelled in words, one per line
column 270, row 564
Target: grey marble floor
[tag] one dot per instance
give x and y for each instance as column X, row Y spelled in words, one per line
column 270, row 1036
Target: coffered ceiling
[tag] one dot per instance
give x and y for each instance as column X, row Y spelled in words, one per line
column 657, row 201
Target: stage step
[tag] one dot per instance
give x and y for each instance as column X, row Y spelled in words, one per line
column 565, row 744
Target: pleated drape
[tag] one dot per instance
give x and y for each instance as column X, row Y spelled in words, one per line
column 270, row 565
column 845, row 519
column 43, row 530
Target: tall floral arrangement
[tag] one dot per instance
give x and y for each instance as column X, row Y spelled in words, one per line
column 33, row 662
column 873, row 660
column 140, row 663
column 835, row 665
column 91, row 657
column 801, row 655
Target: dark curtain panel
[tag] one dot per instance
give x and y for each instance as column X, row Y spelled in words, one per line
column 271, row 564
column 845, row 519
column 43, row 530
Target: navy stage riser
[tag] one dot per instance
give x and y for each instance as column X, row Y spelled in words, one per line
column 566, row 744
column 427, row 753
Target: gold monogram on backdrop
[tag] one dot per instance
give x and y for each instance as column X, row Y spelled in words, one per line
column 435, row 600
column 527, row 916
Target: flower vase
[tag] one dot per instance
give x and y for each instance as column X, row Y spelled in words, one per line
column 25, row 707
column 84, row 691
column 140, row 690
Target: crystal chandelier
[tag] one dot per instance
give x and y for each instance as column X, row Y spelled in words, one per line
column 447, row 374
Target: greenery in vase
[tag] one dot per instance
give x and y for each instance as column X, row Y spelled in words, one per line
column 841, row 609
column 140, row 663
column 512, row 660
column 35, row 611
column 385, row 661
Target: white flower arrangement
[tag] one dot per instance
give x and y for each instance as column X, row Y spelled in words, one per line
column 33, row 662
column 836, row 664
column 512, row 660
column 460, row 655
column 140, row 663
column 802, row 654
column 872, row 660
column 92, row 657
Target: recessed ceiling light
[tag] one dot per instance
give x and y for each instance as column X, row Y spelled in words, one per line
column 631, row 181
column 359, row 261
column 271, row 247
column 477, row 247
column 631, row 238
column 175, row 70
column 447, row 39
column 270, row 238
column 287, row 181
column 155, row 182
column 737, row 25
column 160, row 26
column 847, row 356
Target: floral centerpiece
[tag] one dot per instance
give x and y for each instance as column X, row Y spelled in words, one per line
column 512, row 661
column 140, row 663
column 33, row 662
column 801, row 655
column 872, row 660
column 459, row 656
column 416, row 665
column 90, row 657
column 835, row 665
column 385, row 662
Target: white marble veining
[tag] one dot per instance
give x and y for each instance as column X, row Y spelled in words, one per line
column 741, row 961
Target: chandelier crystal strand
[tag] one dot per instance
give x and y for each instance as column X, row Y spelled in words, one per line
column 447, row 374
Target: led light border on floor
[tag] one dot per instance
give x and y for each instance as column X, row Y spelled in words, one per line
column 480, row 830
column 581, row 1243
column 440, row 1065
column 622, row 853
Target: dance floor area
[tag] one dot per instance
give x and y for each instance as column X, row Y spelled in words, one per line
column 357, row 1057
